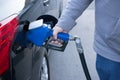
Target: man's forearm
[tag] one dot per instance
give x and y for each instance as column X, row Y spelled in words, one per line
column 72, row 11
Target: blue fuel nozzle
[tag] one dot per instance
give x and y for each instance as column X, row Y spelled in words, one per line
column 39, row 35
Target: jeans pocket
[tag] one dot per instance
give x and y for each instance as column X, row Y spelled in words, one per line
column 113, row 40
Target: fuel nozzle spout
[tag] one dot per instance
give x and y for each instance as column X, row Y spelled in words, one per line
column 78, row 45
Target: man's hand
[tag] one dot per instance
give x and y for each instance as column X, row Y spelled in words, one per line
column 56, row 30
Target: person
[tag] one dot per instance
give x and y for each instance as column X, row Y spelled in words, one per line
column 106, row 36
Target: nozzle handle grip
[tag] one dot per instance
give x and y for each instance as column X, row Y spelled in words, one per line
column 63, row 36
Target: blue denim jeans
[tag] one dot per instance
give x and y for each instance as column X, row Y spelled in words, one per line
column 107, row 69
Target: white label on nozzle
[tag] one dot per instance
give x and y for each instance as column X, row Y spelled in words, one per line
column 36, row 24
